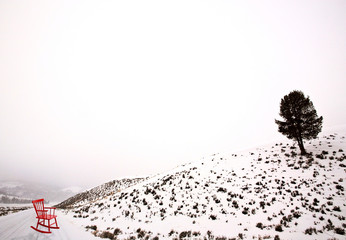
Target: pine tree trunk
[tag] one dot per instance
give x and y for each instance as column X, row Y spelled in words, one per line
column 301, row 146
column 300, row 140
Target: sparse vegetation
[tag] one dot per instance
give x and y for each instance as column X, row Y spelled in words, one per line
column 220, row 194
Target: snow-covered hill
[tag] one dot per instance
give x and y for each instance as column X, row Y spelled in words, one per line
column 99, row 192
column 265, row 193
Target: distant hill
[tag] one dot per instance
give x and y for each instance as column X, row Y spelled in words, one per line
column 13, row 199
column 19, row 191
column 99, row 192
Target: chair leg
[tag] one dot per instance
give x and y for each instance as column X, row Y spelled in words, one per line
column 42, row 223
column 56, row 224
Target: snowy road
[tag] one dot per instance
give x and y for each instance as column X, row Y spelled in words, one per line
column 17, row 226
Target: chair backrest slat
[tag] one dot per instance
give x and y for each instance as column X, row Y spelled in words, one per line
column 38, row 205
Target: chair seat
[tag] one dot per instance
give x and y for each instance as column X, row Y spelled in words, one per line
column 46, row 216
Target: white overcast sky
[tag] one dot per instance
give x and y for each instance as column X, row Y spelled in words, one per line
column 96, row 90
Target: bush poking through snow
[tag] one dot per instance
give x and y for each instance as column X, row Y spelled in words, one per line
column 278, row 228
column 337, row 209
column 310, row 231
column 106, row 234
column 185, row 235
column 339, row 230
column 117, row 231
column 259, row 225
column 93, row 227
column 221, row 238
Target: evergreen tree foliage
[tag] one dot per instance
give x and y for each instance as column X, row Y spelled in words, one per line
column 300, row 118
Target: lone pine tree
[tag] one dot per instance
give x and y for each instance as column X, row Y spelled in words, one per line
column 300, row 118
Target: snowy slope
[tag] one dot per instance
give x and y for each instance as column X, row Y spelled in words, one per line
column 268, row 192
column 99, row 192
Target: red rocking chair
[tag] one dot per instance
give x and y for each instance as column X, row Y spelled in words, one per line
column 44, row 214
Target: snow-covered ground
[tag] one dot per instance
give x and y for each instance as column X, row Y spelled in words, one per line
column 16, row 226
column 6, row 209
column 267, row 192
column 270, row 192
column 98, row 192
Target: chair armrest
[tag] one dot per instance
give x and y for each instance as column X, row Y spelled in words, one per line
column 42, row 210
column 51, row 210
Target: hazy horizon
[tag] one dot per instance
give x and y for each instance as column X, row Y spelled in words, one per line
column 92, row 91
